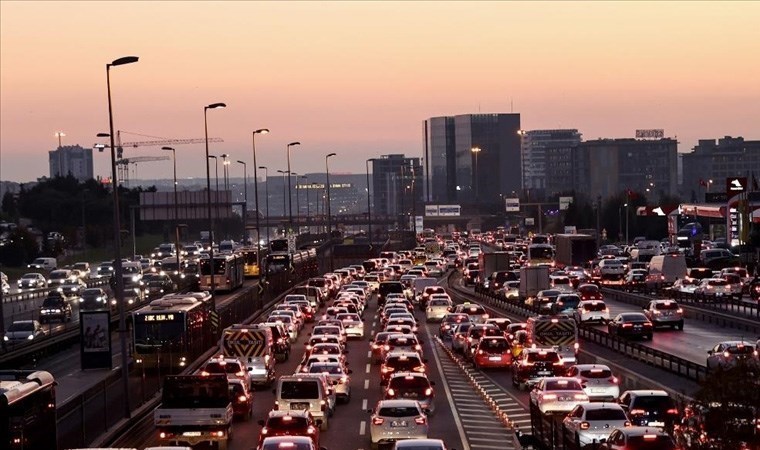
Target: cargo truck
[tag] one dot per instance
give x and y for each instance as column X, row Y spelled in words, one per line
column 253, row 345
column 492, row 262
column 533, row 279
column 194, row 409
column 574, row 249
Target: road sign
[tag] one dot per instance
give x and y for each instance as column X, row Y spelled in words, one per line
column 564, row 203
column 512, row 204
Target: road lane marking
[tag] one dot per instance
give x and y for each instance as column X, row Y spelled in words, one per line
column 366, row 384
column 369, row 366
column 369, row 354
column 362, row 428
column 364, row 404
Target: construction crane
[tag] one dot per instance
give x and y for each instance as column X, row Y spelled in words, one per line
column 122, row 165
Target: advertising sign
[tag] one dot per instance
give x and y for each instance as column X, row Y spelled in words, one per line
column 449, row 210
column 512, row 204
column 95, row 339
column 431, row 210
column 656, row 133
column 736, row 185
column 529, row 221
column 418, row 224
column 564, row 203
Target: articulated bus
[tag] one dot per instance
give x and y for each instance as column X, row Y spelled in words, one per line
column 250, row 262
column 27, row 410
column 172, row 331
column 229, row 272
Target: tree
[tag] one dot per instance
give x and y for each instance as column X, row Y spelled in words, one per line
column 20, row 248
column 9, row 205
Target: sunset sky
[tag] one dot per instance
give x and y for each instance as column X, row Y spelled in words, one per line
column 358, row 78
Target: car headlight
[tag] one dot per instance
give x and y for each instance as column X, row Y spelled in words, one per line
column 30, row 337
column 60, row 289
column 135, row 278
column 5, row 338
column 57, row 311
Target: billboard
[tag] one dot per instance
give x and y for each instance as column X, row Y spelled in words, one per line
column 512, row 204
column 564, row 203
column 442, row 210
column 191, row 205
column 657, row 133
column 95, row 339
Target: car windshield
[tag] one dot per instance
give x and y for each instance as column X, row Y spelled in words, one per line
column 634, row 318
column 21, row 326
column 436, row 302
column 569, row 301
column 605, row 414
column 653, row 403
column 562, row 385
column 398, row 411
column 409, row 384
column 299, row 389
column 30, row 276
column 58, row 275
column 596, row 373
column 665, row 306
column 221, row 367
column 290, row 423
column 494, row 344
column 403, row 363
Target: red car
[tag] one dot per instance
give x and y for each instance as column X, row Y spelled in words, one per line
column 590, row 292
column 492, row 352
column 289, row 423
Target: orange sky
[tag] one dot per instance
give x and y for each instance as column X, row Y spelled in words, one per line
column 358, row 78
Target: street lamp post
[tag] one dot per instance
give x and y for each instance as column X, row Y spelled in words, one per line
column 369, row 208
column 475, row 151
column 290, row 199
column 256, row 194
column 284, row 205
column 119, row 294
column 266, row 194
column 327, row 172
column 176, row 204
column 298, row 203
column 208, row 202
column 245, row 198
column 216, row 178
column 306, row 186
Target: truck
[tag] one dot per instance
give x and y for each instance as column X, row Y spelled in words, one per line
column 558, row 331
column 194, row 409
column 574, row 249
column 253, row 345
column 533, row 279
column 492, row 262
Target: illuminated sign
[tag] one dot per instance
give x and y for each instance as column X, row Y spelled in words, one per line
column 323, row 186
column 736, row 185
column 158, row 317
column 656, row 133
column 512, row 204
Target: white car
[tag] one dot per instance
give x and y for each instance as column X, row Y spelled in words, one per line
column 438, row 306
column 353, row 324
column 420, row 444
column 394, row 420
column 591, row 311
column 597, row 381
column 557, row 394
column 611, row 269
column 511, row 289
column 589, row 423
column 24, row 331
column 338, row 375
column 717, row 288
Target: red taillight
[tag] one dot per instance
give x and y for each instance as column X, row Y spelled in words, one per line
column 420, row 369
column 391, row 393
column 614, row 380
column 311, row 430
column 377, row 421
column 636, row 412
column 627, row 325
column 585, row 425
column 672, row 411
column 421, row 420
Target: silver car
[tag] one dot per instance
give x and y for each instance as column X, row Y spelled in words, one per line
column 394, row 420
column 589, row 423
column 557, row 394
column 664, row 313
column 338, row 375
column 597, row 381
column 438, row 306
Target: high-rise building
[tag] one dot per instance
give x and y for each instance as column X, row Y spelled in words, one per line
column 535, row 145
column 396, row 185
column 606, row 167
column 457, row 174
column 711, row 161
column 71, row 160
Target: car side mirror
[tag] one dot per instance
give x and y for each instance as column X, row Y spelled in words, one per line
column 261, row 422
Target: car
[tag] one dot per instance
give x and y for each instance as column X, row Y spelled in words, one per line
column 639, row 438
column 597, row 381
column 288, row 442
column 631, row 324
column 289, row 423
column 400, row 361
column 23, row 331
column 492, row 352
column 636, row 280
column 476, row 312
column 459, row 336
column 590, row 292
column 591, row 311
column 31, row 281
column 437, row 308
column 394, row 420
column 611, row 269
column 338, row 375
column 477, row 332
column 315, row 358
column 157, row 285
column 683, row 287
column 55, row 307
column 233, row 368
column 510, row 290
column 502, row 322
column 72, row 288
column 544, row 300
column 664, row 313
column 728, row 354
column 241, row 398
column 58, row 277
column 715, row 288
column 449, row 323
column 590, row 423
column 561, row 283
column 377, row 346
column 566, row 304
column 420, row 444
column 557, row 394
column 414, row 386
column 353, row 323
column 533, row 364
column 652, row 408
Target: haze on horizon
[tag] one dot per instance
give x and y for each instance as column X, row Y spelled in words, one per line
column 358, row 78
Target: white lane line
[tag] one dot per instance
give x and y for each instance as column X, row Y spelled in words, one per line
column 454, row 412
column 499, row 447
column 366, row 385
column 369, row 366
column 369, row 354
column 486, row 433
column 373, row 325
column 490, row 416
column 362, row 428
column 364, row 404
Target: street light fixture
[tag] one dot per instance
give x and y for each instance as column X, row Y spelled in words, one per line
column 290, row 199
column 256, row 194
column 208, row 202
column 245, row 197
column 327, row 172
column 266, row 194
column 475, row 151
column 117, row 238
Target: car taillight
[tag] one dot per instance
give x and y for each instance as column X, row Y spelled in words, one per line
column 585, row 425
column 264, row 430
column 311, row 430
column 480, row 352
column 421, row 420
column 627, row 325
column 428, row 392
column 672, row 411
column 242, row 398
column 377, row 421
column 205, row 374
column 614, row 380
column 386, row 369
column 549, row 396
column 485, row 316
column 420, row 369
column 581, row 397
column 418, row 347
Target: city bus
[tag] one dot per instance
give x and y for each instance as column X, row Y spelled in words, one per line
column 229, row 272
column 27, row 410
column 172, row 331
column 300, row 264
column 540, row 254
column 250, row 262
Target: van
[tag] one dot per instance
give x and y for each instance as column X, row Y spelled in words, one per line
column 666, row 269
column 388, row 287
column 253, row 345
column 43, row 263
column 295, row 392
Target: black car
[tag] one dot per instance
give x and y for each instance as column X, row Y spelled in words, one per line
column 649, row 408
column 159, row 285
column 388, row 287
column 94, row 298
column 55, row 307
column 632, row 325
column 281, row 341
column 534, row 364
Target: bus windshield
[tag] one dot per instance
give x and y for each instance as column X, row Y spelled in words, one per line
column 152, row 336
column 220, row 266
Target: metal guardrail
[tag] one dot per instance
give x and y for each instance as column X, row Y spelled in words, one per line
column 41, row 292
column 649, row 355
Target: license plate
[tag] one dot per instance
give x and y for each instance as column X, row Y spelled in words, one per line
column 299, row 406
column 597, row 391
column 656, row 424
column 494, row 358
column 191, row 433
column 398, row 423
column 544, row 372
column 410, row 395
column 637, row 327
